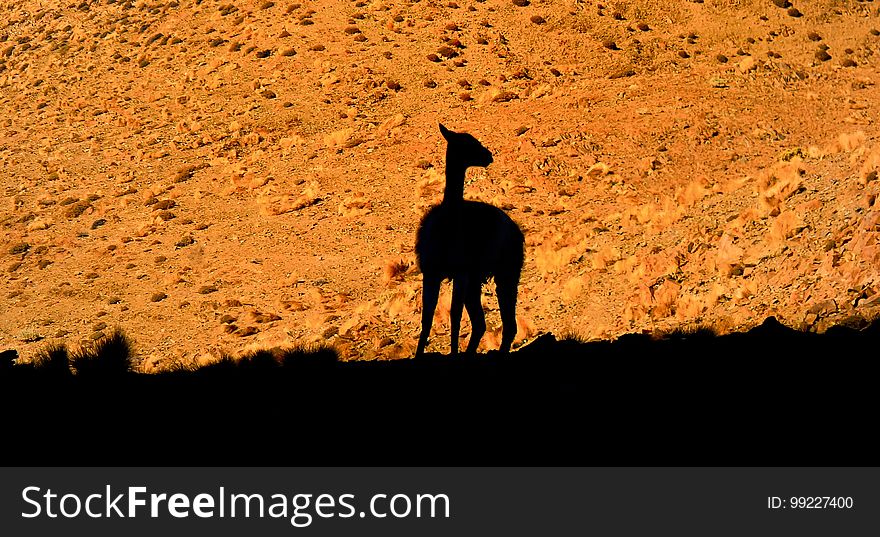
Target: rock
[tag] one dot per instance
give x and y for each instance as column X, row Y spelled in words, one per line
column 158, row 297
column 826, row 307
column 185, row 241
column 497, row 95
column 447, row 52
column 247, row 331
column 20, row 248
column 622, row 73
column 38, row 224
column 77, row 208
column 338, row 138
column 383, row 342
column 747, row 64
column 854, row 322
column 389, row 124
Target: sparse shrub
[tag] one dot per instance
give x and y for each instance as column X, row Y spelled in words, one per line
column 109, row 356
column 53, row 360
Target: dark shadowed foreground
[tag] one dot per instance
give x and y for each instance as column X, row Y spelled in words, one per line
column 772, row 396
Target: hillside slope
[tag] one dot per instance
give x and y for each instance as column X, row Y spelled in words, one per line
column 227, row 175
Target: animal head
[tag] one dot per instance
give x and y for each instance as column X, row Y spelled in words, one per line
column 465, row 148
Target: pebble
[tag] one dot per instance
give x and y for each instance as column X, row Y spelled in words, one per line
column 247, row 331
column 19, row 248
column 185, row 241
column 77, row 208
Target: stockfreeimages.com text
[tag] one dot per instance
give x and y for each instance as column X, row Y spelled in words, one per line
column 300, row 509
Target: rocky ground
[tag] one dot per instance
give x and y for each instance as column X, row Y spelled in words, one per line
column 215, row 176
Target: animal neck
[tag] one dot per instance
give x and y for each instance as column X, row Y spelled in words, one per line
column 455, row 171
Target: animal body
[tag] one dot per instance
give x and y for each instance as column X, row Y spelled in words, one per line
column 468, row 242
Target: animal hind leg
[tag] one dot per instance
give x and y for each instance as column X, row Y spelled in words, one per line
column 475, row 312
column 430, row 294
column 459, row 290
column 506, row 289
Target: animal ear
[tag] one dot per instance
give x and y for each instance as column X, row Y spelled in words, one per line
column 444, row 131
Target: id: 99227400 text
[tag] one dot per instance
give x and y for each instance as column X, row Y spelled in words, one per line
column 810, row 502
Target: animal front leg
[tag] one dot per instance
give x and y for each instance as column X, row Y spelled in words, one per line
column 430, row 293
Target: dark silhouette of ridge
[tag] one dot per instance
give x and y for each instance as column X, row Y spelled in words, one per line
column 468, row 242
column 770, row 396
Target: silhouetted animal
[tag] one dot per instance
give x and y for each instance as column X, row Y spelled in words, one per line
column 468, row 242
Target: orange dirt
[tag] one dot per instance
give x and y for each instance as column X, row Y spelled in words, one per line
column 214, row 176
